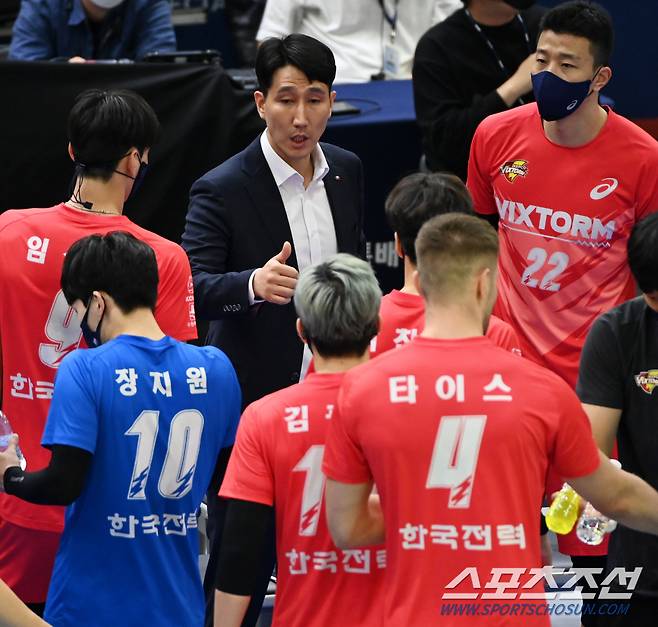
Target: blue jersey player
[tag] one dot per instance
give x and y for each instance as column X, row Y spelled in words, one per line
column 136, row 428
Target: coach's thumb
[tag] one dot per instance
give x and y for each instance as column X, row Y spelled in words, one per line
column 286, row 251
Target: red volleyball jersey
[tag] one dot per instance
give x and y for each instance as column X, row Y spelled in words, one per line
column 38, row 328
column 277, row 461
column 457, row 435
column 402, row 318
column 565, row 218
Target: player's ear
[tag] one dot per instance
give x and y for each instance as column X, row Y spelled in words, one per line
column 485, row 285
column 70, row 149
column 300, row 330
column 259, row 98
column 398, row 246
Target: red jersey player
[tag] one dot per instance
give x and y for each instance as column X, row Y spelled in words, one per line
column 567, row 179
column 110, row 134
column 567, row 192
column 277, row 463
column 413, row 201
column 457, row 434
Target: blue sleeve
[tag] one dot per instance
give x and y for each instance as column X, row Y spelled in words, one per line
column 155, row 32
column 227, row 382
column 32, row 38
column 73, row 415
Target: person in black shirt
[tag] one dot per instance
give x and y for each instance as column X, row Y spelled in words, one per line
column 474, row 63
column 618, row 386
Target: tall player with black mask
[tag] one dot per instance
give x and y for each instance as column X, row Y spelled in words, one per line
column 475, row 63
column 111, row 133
column 565, row 179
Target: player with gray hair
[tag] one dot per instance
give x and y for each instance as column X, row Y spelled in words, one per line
column 338, row 306
column 275, row 468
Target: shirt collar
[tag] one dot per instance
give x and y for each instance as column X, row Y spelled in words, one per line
column 78, row 14
column 282, row 171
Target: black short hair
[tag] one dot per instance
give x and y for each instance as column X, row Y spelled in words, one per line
column 583, row 19
column 419, row 197
column 104, row 124
column 307, row 54
column 116, row 263
column 643, row 253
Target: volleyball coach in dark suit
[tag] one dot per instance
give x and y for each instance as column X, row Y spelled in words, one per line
column 283, row 203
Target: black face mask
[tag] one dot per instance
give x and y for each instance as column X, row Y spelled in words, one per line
column 139, row 179
column 93, row 338
column 521, row 5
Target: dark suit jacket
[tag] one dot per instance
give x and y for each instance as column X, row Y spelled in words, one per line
column 236, row 222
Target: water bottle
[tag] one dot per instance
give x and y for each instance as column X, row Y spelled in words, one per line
column 5, row 434
column 563, row 512
column 593, row 525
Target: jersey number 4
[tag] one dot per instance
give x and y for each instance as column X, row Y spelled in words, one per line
column 180, row 461
column 455, row 457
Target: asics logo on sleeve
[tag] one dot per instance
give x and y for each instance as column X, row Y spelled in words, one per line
column 604, row 189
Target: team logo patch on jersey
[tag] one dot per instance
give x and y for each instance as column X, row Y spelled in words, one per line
column 512, row 169
column 647, row 380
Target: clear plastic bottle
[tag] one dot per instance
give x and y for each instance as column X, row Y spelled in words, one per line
column 5, row 433
column 592, row 524
column 563, row 512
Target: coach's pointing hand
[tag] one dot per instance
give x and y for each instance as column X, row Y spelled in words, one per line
column 275, row 281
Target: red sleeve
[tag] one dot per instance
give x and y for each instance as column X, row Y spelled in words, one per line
column 479, row 181
column 174, row 310
column 249, row 476
column 574, row 452
column 344, row 459
column 647, row 191
column 503, row 334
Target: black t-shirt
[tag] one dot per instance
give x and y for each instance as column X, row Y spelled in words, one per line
column 455, row 77
column 619, row 369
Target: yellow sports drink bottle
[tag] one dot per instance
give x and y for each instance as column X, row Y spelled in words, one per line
column 563, row 512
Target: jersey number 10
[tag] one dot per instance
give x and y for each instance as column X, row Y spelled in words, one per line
column 180, row 461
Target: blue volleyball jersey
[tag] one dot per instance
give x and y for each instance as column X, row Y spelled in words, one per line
column 155, row 415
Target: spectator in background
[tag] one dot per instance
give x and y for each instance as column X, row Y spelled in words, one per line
column 475, row 63
column 80, row 30
column 414, row 200
column 276, row 464
column 368, row 37
column 111, row 133
column 617, row 385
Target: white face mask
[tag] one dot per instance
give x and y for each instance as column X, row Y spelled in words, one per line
column 107, row 4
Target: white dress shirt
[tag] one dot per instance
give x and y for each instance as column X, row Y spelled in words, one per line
column 308, row 212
